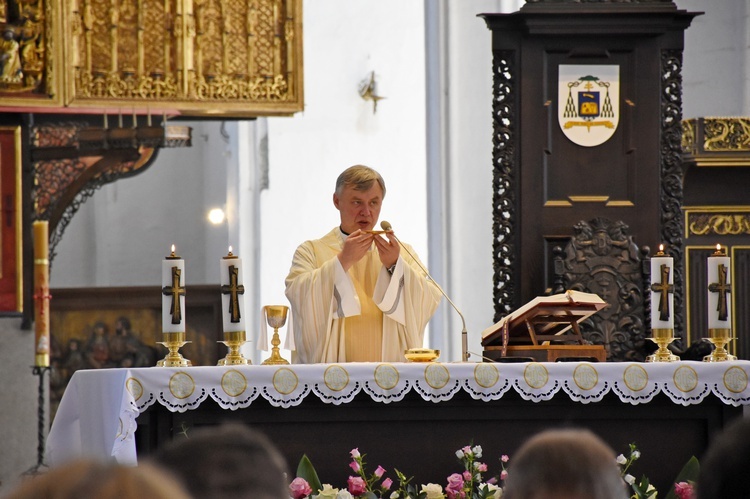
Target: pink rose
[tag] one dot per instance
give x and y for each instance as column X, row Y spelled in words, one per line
column 467, row 476
column 386, row 485
column 684, row 490
column 354, row 465
column 379, row 471
column 481, row 467
column 455, row 486
column 299, row 488
column 356, row 485
column 504, row 458
column 503, row 475
column 354, row 453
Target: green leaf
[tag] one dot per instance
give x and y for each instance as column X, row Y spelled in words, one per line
column 306, row 470
column 688, row 473
column 369, row 495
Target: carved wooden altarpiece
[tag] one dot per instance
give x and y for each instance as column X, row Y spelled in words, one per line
column 543, row 182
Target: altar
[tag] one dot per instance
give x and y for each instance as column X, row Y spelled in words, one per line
column 408, row 416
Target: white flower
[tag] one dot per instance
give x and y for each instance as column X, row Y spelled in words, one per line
column 497, row 492
column 635, row 454
column 433, row 491
column 394, row 495
column 629, row 479
column 460, row 454
column 477, row 450
column 327, row 492
column 651, row 492
column 344, row 494
column 621, row 460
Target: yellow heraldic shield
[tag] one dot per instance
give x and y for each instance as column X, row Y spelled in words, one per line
column 588, row 104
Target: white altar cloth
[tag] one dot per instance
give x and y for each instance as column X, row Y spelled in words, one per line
column 97, row 414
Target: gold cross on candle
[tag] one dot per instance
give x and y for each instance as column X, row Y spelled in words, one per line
column 663, row 288
column 233, row 289
column 175, row 291
column 722, row 287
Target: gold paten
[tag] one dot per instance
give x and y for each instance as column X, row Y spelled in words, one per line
column 421, row 354
column 276, row 318
column 173, row 342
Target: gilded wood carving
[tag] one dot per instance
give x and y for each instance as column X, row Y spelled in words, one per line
column 195, row 57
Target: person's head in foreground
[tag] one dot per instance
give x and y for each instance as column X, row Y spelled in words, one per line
column 85, row 479
column 723, row 472
column 230, row 461
column 564, row 464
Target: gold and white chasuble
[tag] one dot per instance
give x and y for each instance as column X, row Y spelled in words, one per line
column 363, row 315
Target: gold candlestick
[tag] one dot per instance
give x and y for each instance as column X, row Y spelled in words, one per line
column 173, row 342
column 719, row 337
column 276, row 318
column 662, row 337
column 234, row 340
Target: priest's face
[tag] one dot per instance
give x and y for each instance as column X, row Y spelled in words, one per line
column 359, row 209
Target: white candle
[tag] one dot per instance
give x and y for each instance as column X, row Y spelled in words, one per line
column 719, row 290
column 173, row 294
column 662, row 290
column 232, row 293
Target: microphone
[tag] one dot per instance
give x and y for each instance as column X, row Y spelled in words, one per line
column 386, row 226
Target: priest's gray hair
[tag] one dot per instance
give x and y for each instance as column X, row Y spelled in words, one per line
column 360, row 177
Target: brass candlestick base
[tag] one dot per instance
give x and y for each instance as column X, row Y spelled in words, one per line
column 173, row 342
column 234, row 340
column 719, row 337
column 276, row 318
column 662, row 337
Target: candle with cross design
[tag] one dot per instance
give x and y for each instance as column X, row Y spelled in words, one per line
column 662, row 306
column 719, row 289
column 41, row 293
column 173, row 310
column 173, row 294
column 232, row 293
column 719, row 304
column 662, row 291
column 233, row 309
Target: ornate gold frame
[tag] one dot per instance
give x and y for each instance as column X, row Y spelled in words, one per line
column 239, row 58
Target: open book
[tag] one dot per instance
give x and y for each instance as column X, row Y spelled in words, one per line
column 544, row 318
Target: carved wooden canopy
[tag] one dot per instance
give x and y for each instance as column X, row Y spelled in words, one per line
column 238, row 58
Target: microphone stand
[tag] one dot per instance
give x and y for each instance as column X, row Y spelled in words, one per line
column 464, row 334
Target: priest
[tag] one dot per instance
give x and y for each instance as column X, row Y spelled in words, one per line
column 355, row 296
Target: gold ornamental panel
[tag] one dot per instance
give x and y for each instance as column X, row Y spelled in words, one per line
column 238, row 58
column 717, row 221
column 716, row 141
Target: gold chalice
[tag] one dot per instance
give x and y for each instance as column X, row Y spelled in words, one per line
column 276, row 318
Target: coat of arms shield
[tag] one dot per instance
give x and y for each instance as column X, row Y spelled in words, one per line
column 588, row 106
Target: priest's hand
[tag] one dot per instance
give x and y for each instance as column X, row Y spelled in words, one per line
column 388, row 249
column 355, row 247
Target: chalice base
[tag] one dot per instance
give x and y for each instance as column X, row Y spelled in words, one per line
column 234, row 340
column 662, row 354
column 174, row 341
column 275, row 359
column 720, row 353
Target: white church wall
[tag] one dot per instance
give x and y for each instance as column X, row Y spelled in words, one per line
column 715, row 69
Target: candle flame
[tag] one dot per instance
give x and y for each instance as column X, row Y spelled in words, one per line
column 661, row 248
column 173, row 248
column 230, row 249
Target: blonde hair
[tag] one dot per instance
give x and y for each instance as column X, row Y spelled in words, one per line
column 360, row 177
column 86, row 479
